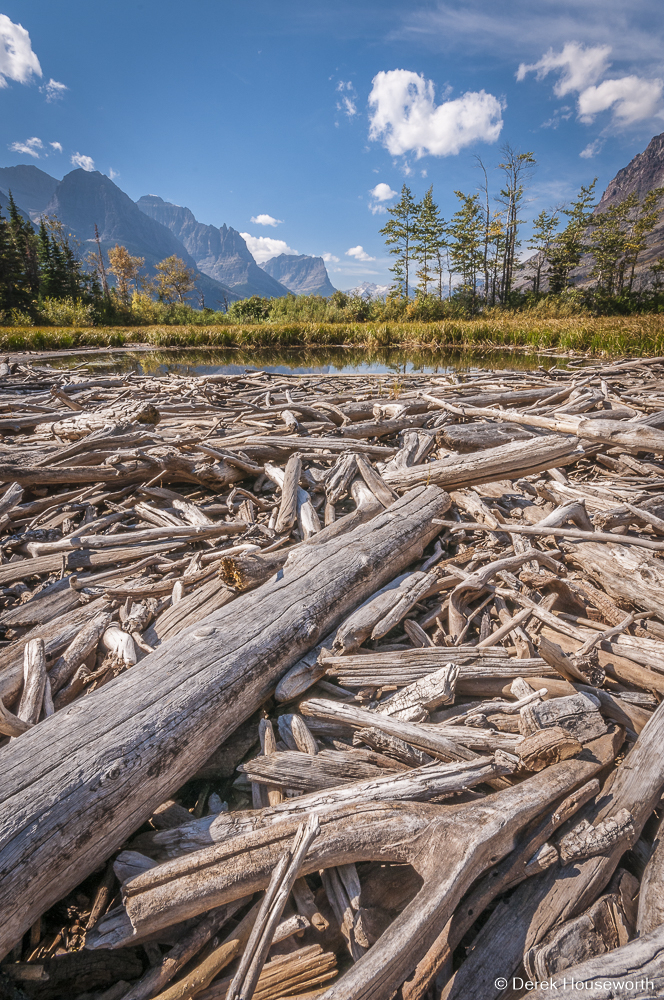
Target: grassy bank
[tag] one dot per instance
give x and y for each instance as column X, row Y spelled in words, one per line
column 612, row 335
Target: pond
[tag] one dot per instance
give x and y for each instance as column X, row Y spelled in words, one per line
column 294, row 361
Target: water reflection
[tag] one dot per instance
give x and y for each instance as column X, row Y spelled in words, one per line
column 298, row 361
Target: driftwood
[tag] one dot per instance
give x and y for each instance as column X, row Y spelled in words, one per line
column 218, row 620
column 114, row 714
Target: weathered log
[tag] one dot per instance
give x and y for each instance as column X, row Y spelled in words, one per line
column 561, row 893
column 633, row 972
column 240, row 653
column 419, row 785
column 521, row 458
column 513, row 869
column 272, row 906
column 475, row 836
column 577, row 714
column 623, row 572
column 301, row 771
column 34, row 680
column 479, row 436
column 288, row 507
column 443, row 742
column 651, row 898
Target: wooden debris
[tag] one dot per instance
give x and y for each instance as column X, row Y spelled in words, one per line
column 233, row 607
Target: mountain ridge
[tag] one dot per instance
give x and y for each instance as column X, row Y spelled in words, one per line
column 85, row 197
column 300, row 273
column 31, row 187
column 221, row 253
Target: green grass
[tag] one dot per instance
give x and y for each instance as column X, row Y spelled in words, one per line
column 598, row 336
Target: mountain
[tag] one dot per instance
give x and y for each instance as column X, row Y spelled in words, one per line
column 83, row 198
column 643, row 173
column 368, row 290
column 301, row 274
column 220, row 253
column 31, row 187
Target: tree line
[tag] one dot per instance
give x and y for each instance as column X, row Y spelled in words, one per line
column 475, row 255
column 46, row 265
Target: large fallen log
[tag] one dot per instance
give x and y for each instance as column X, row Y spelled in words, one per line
column 520, row 458
column 75, row 787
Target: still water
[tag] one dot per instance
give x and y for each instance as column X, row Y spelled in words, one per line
column 295, row 361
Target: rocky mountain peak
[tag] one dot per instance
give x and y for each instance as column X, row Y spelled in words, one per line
column 301, row 274
column 643, row 173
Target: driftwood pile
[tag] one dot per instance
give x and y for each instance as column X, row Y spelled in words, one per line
column 332, row 686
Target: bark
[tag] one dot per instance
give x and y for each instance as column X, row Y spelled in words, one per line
column 564, row 892
column 473, row 837
column 418, row 785
column 521, row 458
column 165, row 727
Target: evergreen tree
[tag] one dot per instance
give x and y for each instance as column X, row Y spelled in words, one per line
column 544, row 230
column 428, row 243
column 646, row 219
column 568, row 247
column 11, row 291
column 466, row 248
column 399, row 235
column 25, row 244
column 610, row 243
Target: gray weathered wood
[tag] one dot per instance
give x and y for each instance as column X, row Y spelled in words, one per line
column 66, row 782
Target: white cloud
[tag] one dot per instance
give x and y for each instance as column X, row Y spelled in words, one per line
column 383, row 192
column 17, row 60
column 56, row 146
column 581, row 66
column 86, row 162
column 359, row 253
column 592, row 149
column 631, row 98
column 348, row 106
column 329, row 258
column 266, row 220
column 113, row 173
column 53, row 90
column 348, row 103
column 264, row 247
column 405, row 117
column 33, row 147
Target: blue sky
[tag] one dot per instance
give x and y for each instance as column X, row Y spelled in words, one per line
column 291, row 114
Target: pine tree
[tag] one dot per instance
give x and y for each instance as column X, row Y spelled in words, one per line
column 428, row 243
column 544, row 230
column 25, row 244
column 10, row 270
column 399, row 234
column 61, row 274
column 568, row 247
column 466, row 248
column 647, row 218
